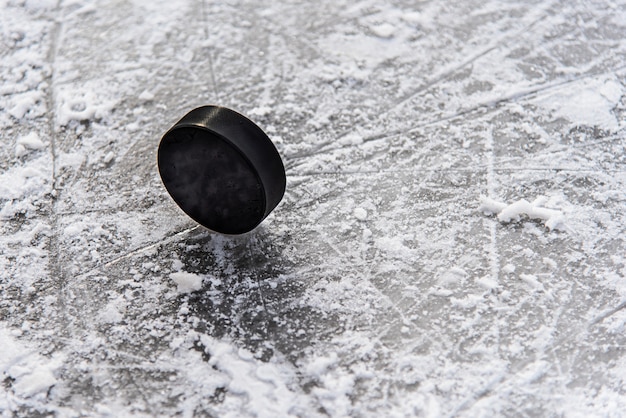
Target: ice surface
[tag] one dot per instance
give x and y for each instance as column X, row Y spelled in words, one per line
column 451, row 241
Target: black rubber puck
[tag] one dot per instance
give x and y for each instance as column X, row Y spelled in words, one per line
column 221, row 169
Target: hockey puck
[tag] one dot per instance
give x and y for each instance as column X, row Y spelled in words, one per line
column 221, row 169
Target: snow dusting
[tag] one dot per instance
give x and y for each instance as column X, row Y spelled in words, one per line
column 452, row 241
column 31, row 374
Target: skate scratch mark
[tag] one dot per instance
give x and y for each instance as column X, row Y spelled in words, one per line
column 209, row 54
column 483, row 392
column 54, row 263
column 148, row 247
column 139, row 250
column 608, row 313
column 486, row 106
column 445, row 75
column 476, row 169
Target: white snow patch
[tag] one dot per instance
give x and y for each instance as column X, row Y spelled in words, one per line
column 370, row 51
column 75, row 105
column 532, row 281
column 26, row 143
column 415, row 18
column 487, row 282
column 508, row 268
column 186, row 282
column 25, row 104
column 512, row 212
column 21, row 185
column 468, row 302
column 590, row 104
column 261, row 111
column 177, row 265
column 108, row 158
column 453, row 276
column 395, row 248
column 146, row 96
column 33, row 374
column 75, row 229
column 317, row 367
column 112, row 313
column 383, row 30
column 360, row 214
column 71, row 160
column 37, row 5
column 353, row 138
column 253, row 385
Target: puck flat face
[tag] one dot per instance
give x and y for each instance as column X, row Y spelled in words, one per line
column 221, row 169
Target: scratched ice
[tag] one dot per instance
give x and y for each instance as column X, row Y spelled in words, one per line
column 451, row 242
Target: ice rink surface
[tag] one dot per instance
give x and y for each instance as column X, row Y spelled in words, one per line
column 451, row 242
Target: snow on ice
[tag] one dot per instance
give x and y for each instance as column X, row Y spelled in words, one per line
column 506, row 213
column 376, row 287
column 186, row 282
